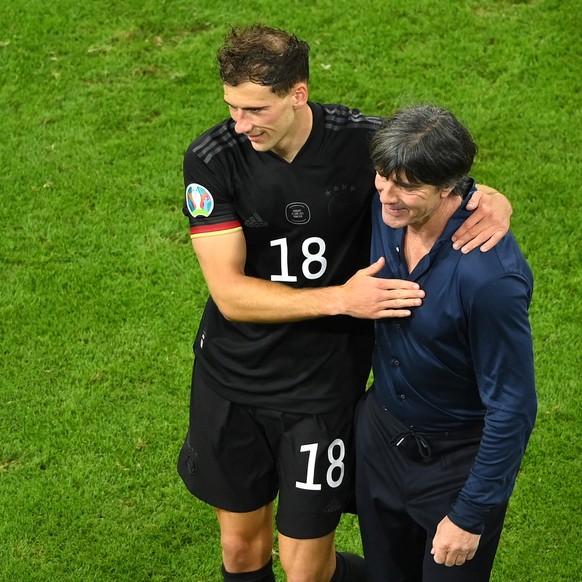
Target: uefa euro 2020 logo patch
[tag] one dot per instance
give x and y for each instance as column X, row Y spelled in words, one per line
column 199, row 200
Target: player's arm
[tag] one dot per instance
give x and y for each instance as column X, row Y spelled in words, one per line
column 243, row 298
column 487, row 225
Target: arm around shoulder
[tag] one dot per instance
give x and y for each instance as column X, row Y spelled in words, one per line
column 488, row 224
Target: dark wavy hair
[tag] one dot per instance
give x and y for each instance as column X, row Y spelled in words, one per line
column 263, row 55
column 424, row 145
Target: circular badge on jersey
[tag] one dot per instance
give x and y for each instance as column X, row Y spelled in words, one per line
column 199, row 201
column 297, row 213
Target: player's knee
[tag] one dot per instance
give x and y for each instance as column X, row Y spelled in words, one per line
column 242, row 554
column 307, row 560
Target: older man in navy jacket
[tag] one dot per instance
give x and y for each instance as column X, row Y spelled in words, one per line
column 441, row 434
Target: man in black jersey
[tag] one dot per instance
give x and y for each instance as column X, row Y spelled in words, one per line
column 278, row 198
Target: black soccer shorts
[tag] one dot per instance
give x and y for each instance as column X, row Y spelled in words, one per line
column 238, row 458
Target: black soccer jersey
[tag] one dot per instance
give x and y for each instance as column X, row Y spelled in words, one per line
column 306, row 224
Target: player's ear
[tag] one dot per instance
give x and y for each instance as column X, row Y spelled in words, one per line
column 446, row 191
column 299, row 94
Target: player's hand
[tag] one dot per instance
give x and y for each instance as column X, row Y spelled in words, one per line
column 368, row 297
column 452, row 545
column 487, row 225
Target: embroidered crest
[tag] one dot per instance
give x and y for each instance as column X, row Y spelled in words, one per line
column 199, row 201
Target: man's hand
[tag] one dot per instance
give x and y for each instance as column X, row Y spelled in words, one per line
column 453, row 546
column 368, row 297
column 487, row 225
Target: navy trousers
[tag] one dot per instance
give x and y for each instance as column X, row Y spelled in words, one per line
column 404, row 491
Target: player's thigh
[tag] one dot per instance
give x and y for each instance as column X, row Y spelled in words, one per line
column 316, row 466
column 250, row 524
column 227, row 460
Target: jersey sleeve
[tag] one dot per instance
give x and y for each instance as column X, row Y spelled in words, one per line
column 502, row 351
column 208, row 199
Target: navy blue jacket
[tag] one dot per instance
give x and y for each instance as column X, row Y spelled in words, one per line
column 464, row 356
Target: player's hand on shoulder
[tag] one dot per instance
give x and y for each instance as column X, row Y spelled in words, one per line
column 488, row 223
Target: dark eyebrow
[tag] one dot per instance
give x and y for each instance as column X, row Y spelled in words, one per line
column 247, row 108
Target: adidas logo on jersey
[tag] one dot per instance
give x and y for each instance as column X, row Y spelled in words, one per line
column 333, row 506
column 255, row 221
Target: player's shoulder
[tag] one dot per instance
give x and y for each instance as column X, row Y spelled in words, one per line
column 217, row 140
column 338, row 117
column 503, row 260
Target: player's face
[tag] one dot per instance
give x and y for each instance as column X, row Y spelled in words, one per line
column 268, row 120
column 407, row 204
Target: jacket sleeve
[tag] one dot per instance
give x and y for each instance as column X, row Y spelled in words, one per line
column 502, row 352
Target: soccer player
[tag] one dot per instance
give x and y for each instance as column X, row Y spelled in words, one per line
column 442, row 432
column 278, row 198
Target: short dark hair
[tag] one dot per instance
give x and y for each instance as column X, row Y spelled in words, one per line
column 263, row 55
column 424, row 144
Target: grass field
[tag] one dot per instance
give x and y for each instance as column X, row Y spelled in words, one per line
column 100, row 292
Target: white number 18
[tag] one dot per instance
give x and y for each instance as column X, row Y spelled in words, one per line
column 316, row 258
column 335, row 463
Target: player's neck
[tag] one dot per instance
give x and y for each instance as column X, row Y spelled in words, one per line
column 299, row 136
